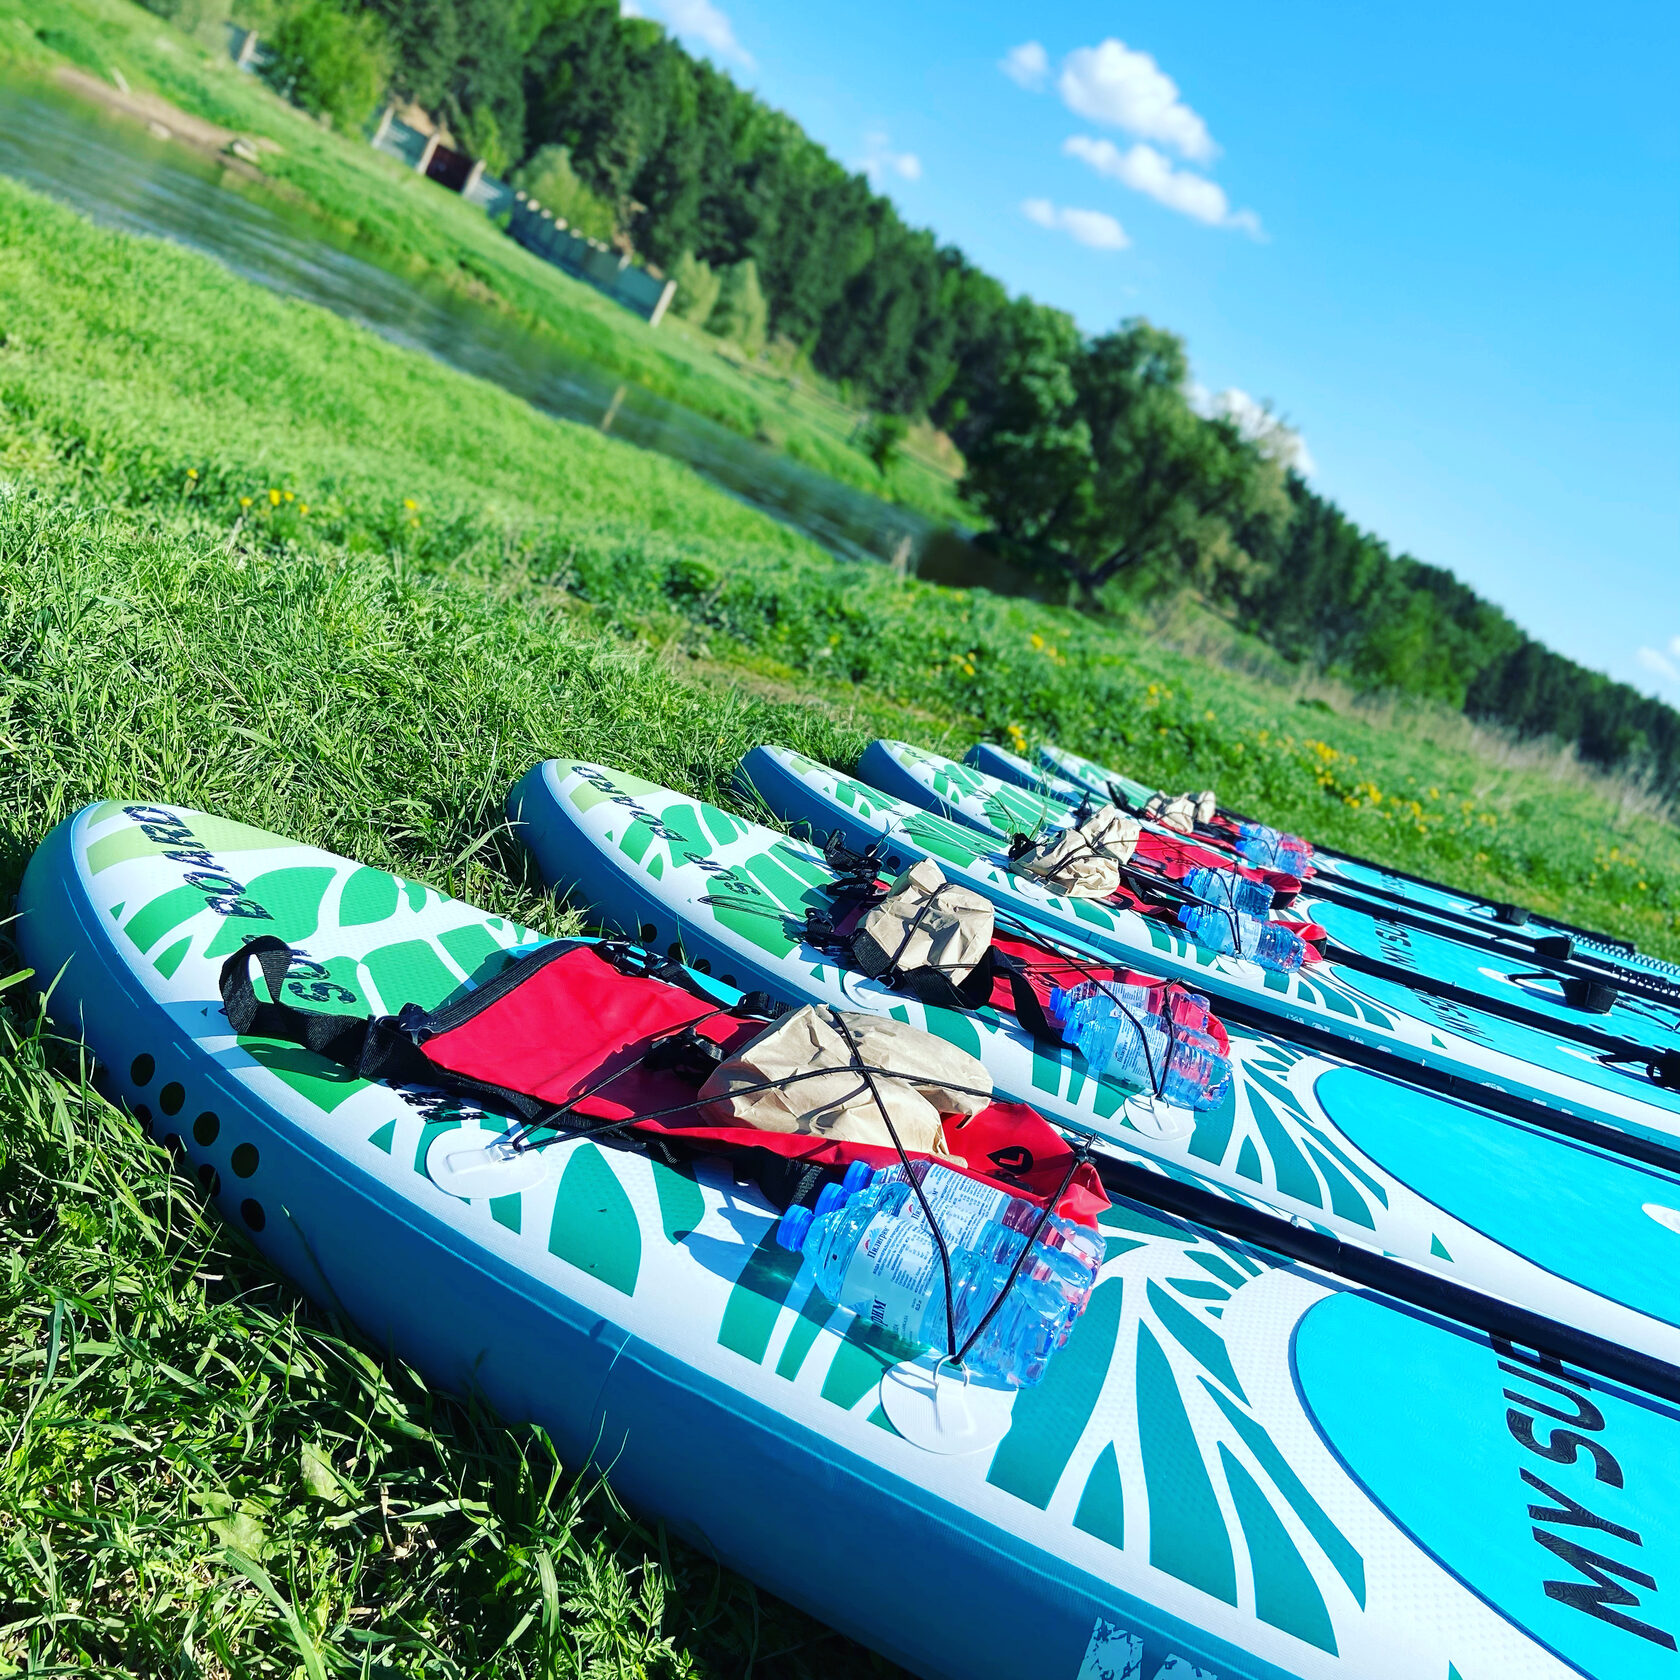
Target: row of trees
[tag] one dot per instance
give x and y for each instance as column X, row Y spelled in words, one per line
column 1086, row 456
column 1091, row 463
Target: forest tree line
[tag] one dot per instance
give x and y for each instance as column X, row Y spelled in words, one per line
column 1086, row 456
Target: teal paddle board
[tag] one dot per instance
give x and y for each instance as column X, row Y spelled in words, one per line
column 1580, row 1234
column 1233, row 1470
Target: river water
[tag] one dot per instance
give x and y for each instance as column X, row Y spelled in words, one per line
column 118, row 173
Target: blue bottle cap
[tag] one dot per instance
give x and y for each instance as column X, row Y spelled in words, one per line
column 792, row 1227
column 858, row 1176
column 830, row 1197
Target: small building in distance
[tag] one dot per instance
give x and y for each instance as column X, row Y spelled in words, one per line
column 411, row 136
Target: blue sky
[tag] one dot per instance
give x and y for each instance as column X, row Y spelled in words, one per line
column 1443, row 242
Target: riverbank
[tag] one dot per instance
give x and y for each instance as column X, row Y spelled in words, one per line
column 133, row 63
column 120, row 386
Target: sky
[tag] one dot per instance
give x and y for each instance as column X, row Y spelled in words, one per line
column 1441, row 242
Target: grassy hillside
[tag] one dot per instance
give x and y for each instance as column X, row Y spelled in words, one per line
column 415, row 227
column 312, row 582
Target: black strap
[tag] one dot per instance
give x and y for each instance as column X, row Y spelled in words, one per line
column 851, row 866
column 1580, row 991
column 340, row 1038
column 1662, row 1065
column 1029, row 1011
column 372, row 1047
column 934, row 986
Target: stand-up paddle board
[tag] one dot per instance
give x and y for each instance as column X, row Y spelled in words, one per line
column 1550, row 1224
column 1232, row 1470
column 1385, row 1018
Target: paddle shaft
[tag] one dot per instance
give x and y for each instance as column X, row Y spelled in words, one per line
column 1354, row 1264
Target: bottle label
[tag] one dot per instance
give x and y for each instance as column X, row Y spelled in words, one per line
column 891, row 1276
column 894, row 1271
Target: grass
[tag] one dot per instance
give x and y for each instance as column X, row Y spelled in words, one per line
column 214, row 589
column 414, row 227
column 203, row 1475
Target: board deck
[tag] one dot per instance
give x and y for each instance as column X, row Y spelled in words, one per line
column 1386, row 1015
column 1234, row 1470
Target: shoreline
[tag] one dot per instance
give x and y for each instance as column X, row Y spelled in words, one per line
column 157, row 113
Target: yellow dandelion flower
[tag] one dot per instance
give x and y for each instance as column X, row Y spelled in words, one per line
column 244, row 501
column 410, row 503
column 290, row 497
column 192, row 472
column 1037, row 642
column 274, row 498
column 303, row 507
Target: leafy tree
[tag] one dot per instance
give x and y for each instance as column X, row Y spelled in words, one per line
column 481, row 135
column 881, row 438
column 550, row 179
column 334, row 65
column 1095, row 464
column 741, row 312
column 697, row 288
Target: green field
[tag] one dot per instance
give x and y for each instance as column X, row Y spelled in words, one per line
column 311, row 581
column 414, row 227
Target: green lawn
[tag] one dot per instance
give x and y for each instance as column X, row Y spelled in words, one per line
column 214, row 590
column 415, row 227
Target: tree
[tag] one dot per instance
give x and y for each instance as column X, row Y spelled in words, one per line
column 1094, row 463
column 550, row 179
column 881, row 438
column 697, row 288
column 741, row 313
column 333, row 65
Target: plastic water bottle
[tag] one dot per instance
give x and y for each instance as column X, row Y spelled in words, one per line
column 1266, row 848
column 1235, row 916
column 873, row 1253
column 1177, row 1061
column 1226, row 888
column 1270, row 944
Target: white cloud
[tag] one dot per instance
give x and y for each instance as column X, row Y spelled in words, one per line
column 1095, row 228
column 701, row 21
column 1027, row 65
column 880, row 160
column 629, row 8
column 1256, row 422
column 1659, row 664
column 1152, row 173
column 1112, row 84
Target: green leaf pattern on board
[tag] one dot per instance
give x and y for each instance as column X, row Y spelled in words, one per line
column 1185, row 1470
column 982, row 800
column 1155, row 1445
